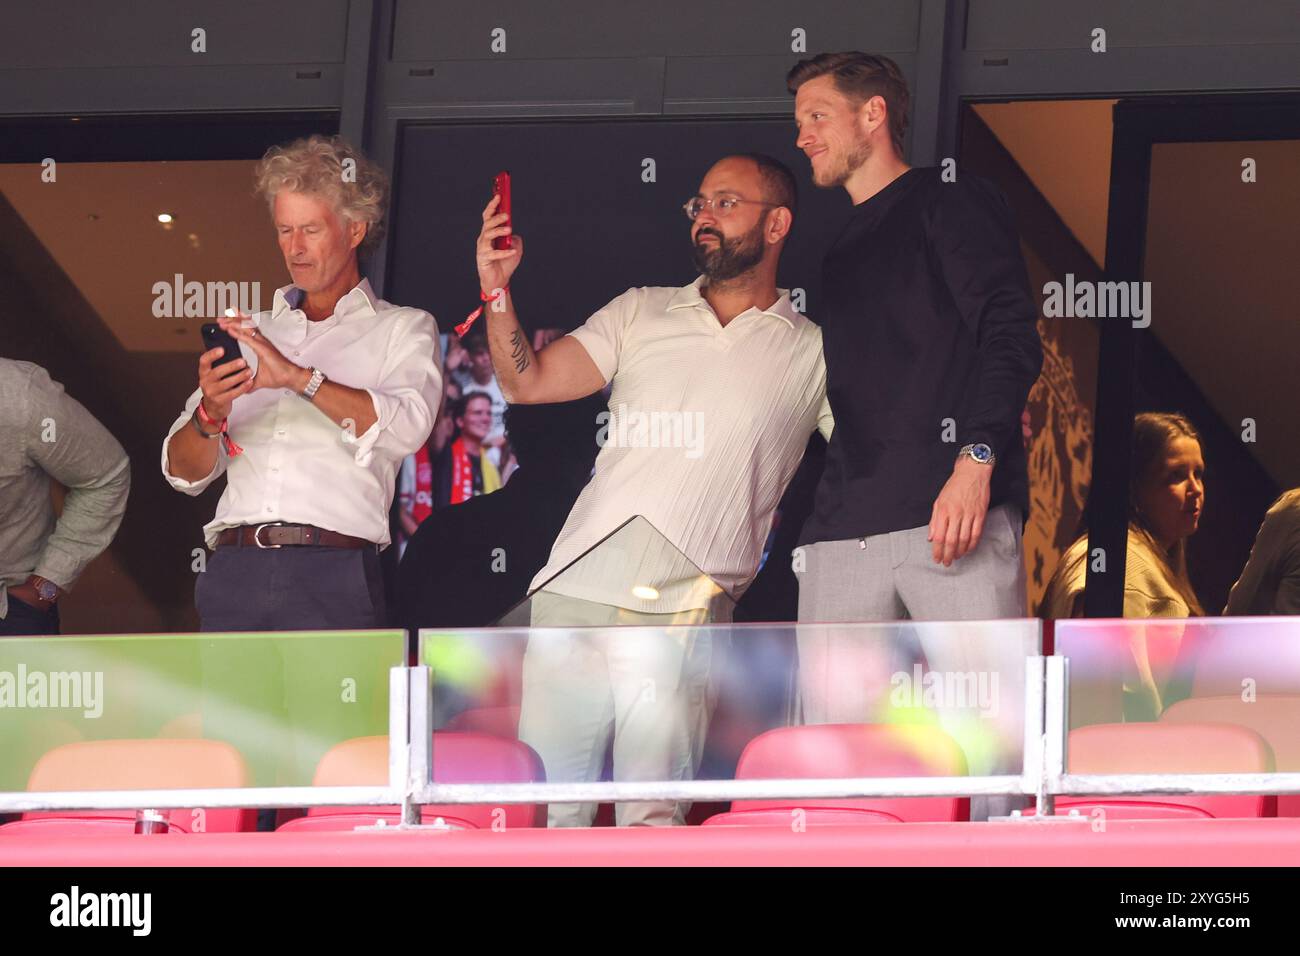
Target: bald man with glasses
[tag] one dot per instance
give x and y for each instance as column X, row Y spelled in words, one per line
column 730, row 351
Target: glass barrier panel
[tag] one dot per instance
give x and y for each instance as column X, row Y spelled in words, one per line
column 187, row 710
column 624, row 667
column 1147, row 695
column 635, row 575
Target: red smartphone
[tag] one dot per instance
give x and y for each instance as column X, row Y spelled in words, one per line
column 501, row 186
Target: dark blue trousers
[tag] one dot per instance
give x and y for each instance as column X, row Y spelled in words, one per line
column 291, row 589
column 23, row 619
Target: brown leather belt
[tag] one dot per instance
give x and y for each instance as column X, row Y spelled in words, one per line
column 278, row 535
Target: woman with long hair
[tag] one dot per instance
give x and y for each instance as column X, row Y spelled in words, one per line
column 1166, row 499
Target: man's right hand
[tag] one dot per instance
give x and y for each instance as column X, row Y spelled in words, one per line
column 222, row 384
column 496, row 266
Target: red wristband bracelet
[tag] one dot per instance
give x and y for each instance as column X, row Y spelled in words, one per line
column 206, row 418
column 231, row 448
column 473, row 316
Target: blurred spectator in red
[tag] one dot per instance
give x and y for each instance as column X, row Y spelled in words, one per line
column 415, row 479
column 463, row 470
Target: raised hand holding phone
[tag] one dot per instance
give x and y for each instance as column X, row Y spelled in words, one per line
column 495, row 266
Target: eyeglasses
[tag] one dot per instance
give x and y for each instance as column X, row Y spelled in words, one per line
column 722, row 207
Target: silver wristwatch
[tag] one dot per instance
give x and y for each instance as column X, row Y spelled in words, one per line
column 313, row 384
column 46, row 589
column 979, row 452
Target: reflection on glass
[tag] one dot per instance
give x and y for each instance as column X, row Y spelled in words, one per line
column 271, row 704
column 623, row 667
column 1243, row 672
column 634, row 575
column 618, row 658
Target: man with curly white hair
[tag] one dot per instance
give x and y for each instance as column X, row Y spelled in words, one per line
column 335, row 388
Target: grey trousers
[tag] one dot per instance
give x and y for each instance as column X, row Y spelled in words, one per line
column 847, row 677
column 599, row 671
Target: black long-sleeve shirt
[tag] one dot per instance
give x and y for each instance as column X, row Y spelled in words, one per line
column 931, row 342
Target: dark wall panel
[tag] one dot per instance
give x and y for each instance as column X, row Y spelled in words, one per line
column 1035, row 25
column 596, row 28
column 142, row 33
column 592, row 228
column 702, row 84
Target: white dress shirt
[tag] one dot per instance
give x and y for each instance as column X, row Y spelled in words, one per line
column 709, row 423
column 300, row 467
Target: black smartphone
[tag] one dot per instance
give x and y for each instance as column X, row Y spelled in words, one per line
column 215, row 337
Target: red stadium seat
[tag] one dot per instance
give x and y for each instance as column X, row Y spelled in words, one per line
column 457, row 758
column 146, row 764
column 1118, row 808
column 497, row 721
column 848, row 750
column 1275, row 717
column 103, row 823
column 1168, row 747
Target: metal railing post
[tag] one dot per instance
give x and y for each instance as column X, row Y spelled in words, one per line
column 399, row 739
column 1033, row 774
column 420, row 742
column 151, row 821
column 1056, row 713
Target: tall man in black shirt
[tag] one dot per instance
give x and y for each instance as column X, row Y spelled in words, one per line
column 929, row 330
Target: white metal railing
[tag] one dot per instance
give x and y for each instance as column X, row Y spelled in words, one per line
column 1043, row 776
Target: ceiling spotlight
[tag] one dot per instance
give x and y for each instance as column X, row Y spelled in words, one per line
column 645, row 592
column 164, row 217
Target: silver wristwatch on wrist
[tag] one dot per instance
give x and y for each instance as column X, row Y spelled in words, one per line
column 313, row 384
column 46, row 589
column 979, row 452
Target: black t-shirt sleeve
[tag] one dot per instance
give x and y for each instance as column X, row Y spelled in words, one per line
column 973, row 239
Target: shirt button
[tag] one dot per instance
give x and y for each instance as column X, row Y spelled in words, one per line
column 269, row 509
column 297, row 353
column 287, row 391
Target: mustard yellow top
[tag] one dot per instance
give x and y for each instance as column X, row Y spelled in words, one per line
column 1146, row 674
column 1148, row 592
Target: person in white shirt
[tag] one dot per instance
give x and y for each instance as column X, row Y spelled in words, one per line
column 343, row 386
column 728, row 355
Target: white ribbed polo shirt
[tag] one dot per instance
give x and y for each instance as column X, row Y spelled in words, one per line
column 707, row 426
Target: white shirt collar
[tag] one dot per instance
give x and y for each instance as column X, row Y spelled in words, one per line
column 689, row 297
column 361, row 299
